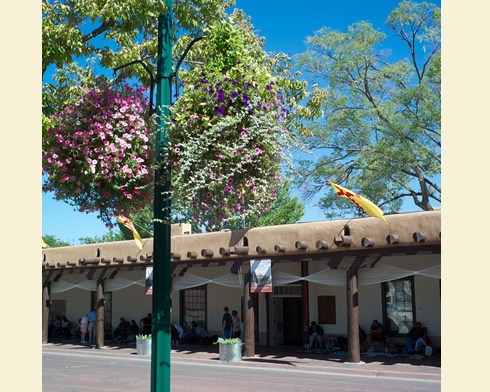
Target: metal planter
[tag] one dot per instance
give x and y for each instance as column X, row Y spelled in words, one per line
column 230, row 352
column 143, row 347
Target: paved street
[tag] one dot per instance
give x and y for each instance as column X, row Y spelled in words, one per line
column 82, row 369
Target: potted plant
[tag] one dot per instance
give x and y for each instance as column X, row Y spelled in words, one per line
column 143, row 344
column 230, row 349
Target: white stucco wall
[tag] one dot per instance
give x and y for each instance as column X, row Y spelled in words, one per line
column 77, row 303
column 316, row 290
column 130, row 303
column 428, row 304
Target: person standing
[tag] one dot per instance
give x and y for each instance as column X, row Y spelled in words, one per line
column 83, row 329
column 235, row 322
column 226, row 323
column 92, row 320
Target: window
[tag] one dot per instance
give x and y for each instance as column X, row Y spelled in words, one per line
column 326, row 309
column 289, row 290
column 399, row 305
column 193, row 306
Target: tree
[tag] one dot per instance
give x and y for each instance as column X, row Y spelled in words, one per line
column 54, row 242
column 374, row 124
column 110, row 236
column 78, row 35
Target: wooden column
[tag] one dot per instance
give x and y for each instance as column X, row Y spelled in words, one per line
column 354, row 351
column 306, row 302
column 268, row 318
column 249, row 317
column 45, row 312
column 100, row 309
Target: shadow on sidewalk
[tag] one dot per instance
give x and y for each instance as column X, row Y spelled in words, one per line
column 287, row 355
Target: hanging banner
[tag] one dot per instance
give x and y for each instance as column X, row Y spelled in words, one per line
column 261, row 276
column 149, row 281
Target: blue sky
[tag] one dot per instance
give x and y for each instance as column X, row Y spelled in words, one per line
column 285, row 24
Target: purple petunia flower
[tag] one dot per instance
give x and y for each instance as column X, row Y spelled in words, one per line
column 219, row 110
column 221, row 95
column 233, row 95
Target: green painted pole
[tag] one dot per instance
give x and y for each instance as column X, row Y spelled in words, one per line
column 162, row 282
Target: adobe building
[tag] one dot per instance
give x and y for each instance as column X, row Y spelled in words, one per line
column 339, row 273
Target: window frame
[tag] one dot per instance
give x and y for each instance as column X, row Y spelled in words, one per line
column 384, row 291
column 183, row 308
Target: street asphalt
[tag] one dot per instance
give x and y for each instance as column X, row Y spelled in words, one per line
column 74, row 367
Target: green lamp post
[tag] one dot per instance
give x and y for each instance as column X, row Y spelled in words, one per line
column 162, row 282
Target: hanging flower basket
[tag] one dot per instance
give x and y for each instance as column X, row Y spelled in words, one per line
column 227, row 147
column 98, row 157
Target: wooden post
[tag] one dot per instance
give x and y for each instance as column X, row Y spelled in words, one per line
column 249, row 317
column 45, row 310
column 100, row 309
column 306, row 302
column 255, row 298
column 268, row 318
column 353, row 351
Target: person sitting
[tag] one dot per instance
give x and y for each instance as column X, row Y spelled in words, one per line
column 417, row 336
column 190, row 335
column 65, row 327
column 57, row 327
column 176, row 334
column 201, row 333
column 121, row 333
column 315, row 333
column 133, row 331
column 146, row 325
column 377, row 334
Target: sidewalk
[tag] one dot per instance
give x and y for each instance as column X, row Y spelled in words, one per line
column 279, row 357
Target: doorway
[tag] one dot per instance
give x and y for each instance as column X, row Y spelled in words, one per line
column 287, row 321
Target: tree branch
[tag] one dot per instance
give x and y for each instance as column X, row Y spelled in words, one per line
column 106, row 25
